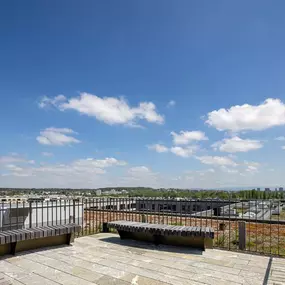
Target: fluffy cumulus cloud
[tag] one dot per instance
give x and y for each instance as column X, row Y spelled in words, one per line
column 158, row 148
column 217, row 160
column 283, row 147
column 109, row 110
column 236, row 144
column 46, row 102
column 186, row 137
column 99, row 163
column 81, row 170
column 184, row 151
column 57, row 137
column 246, row 117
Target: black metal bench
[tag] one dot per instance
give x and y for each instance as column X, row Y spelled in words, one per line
column 26, row 239
column 200, row 237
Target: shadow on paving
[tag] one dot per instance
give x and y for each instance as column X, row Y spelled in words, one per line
column 20, row 253
column 150, row 246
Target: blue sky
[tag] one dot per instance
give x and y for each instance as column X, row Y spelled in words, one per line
column 142, row 93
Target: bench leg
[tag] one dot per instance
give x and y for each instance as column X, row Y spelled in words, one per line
column 70, row 238
column 13, row 248
column 105, row 228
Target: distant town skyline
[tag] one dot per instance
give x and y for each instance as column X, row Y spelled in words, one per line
column 147, row 93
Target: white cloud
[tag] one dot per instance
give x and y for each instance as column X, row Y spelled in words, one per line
column 283, row 147
column 185, row 137
column 13, row 158
column 251, row 166
column 280, row 138
column 171, row 103
column 158, row 148
column 236, row 144
column 252, row 169
column 57, row 136
column 238, row 118
column 110, row 110
column 252, row 163
column 54, row 102
column 184, row 152
column 140, row 175
column 99, row 163
column 216, row 160
column 139, row 170
column 200, row 172
column 13, row 167
column 48, row 154
column 81, row 168
column 229, row 170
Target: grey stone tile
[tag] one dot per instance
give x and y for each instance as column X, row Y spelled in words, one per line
column 107, row 280
column 46, row 271
column 65, row 267
column 208, row 279
column 140, row 280
column 11, row 270
column 254, row 269
column 34, row 279
column 259, row 263
column 13, row 281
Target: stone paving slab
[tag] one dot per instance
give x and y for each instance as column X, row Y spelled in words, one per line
column 104, row 259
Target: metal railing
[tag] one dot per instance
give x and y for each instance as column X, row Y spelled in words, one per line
column 34, row 213
column 250, row 225
column 256, row 226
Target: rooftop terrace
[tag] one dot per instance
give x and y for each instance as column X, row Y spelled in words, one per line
column 105, row 259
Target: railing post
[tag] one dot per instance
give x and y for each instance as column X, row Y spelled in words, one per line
column 242, row 235
column 30, row 214
column 73, row 211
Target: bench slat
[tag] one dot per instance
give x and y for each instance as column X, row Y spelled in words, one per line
column 162, row 229
column 37, row 232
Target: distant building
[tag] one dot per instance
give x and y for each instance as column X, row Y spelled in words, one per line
column 258, row 189
column 281, row 189
column 113, row 192
column 183, row 206
column 267, row 189
column 98, row 192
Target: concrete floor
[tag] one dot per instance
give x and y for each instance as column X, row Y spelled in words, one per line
column 104, row 259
